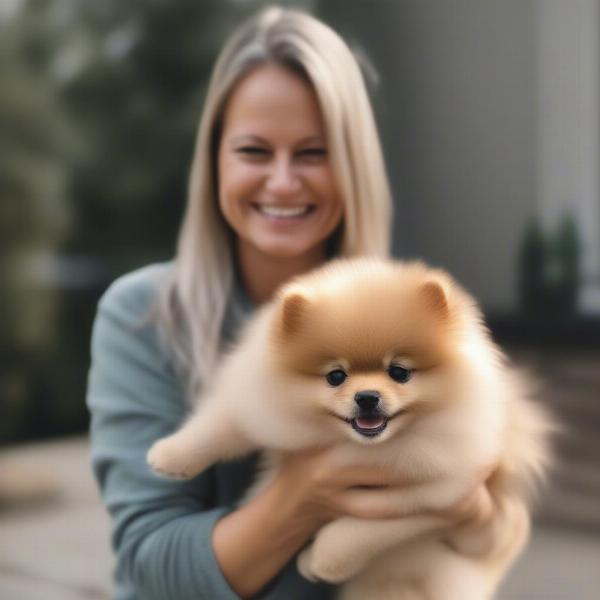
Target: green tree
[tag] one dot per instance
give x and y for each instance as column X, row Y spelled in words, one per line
column 98, row 109
column 565, row 255
column 34, row 217
column 532, row 259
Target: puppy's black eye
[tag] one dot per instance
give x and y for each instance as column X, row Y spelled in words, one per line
column 399, row 374
column 336, row 377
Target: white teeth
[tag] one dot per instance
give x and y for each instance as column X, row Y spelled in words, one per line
column 282, row 213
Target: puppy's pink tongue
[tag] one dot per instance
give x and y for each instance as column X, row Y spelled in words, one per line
column 369, row 423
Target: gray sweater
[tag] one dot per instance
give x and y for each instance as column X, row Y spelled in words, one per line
column 161, row 529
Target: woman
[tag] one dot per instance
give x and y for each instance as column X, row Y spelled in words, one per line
column 287, row 172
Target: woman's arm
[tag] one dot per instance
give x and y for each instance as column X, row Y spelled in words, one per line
column 255, row 542
column 161, row 530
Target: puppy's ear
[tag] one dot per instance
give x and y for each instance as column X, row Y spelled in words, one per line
column 434, row 296
column 294, row 306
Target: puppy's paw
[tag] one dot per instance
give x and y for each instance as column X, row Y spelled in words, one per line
column 168, row 459
column 314, row 568
column 304, row 566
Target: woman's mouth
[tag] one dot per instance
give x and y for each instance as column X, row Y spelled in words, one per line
column 284, row 213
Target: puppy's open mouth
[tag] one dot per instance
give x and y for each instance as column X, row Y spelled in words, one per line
column 369, row 426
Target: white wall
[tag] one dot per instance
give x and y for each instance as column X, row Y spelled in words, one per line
column 568, row 142
column 457, row 101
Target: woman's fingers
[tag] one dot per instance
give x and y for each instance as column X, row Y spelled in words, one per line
column 330, row 467
column 353, row 475
column 477, row 506
column 370, row 503
column 381, row 503
column 323, row 479
column 366, row 477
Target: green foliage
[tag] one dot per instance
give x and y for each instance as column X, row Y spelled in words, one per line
column 34, row 217
column 565, row 249
column 531, row 268
column 99, row 107
column 549, row 271
column 137, row 99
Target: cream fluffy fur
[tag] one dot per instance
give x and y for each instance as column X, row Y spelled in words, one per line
column 462, row 410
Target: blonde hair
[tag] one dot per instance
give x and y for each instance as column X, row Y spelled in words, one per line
column 195, row 298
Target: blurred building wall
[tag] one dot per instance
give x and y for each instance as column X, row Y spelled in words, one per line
column 568, row 68
column 458, row 120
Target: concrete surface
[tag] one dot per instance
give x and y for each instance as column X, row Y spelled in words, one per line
column 59, row 550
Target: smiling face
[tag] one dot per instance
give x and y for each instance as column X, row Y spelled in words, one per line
column 276, row 186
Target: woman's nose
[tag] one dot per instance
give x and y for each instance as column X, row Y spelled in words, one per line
column 282, row 180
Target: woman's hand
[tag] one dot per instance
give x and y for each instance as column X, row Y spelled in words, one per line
column 477, row 505
column 319, row 488
column 310, row 489
column 253, row 543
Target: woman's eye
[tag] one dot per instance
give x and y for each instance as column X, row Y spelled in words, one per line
column 254, row 151
column 313, row 153
column 399, row 374
column 336, row 377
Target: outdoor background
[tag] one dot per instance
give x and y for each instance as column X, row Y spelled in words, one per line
column 490, row 117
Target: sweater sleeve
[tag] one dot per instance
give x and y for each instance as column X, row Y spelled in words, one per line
column 161, row 529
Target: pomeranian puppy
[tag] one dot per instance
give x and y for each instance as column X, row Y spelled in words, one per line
column 391, row 364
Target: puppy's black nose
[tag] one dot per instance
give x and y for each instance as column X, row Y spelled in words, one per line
column 367, row 399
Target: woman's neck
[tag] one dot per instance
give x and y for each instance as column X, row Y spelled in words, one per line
column 262, row 274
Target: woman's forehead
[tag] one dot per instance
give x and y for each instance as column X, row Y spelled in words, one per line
column 272, row 99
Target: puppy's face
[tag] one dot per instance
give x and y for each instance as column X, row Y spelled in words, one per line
column 371, row 348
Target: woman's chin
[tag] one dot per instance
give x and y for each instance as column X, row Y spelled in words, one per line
column 269, row 247
column 290, row 252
